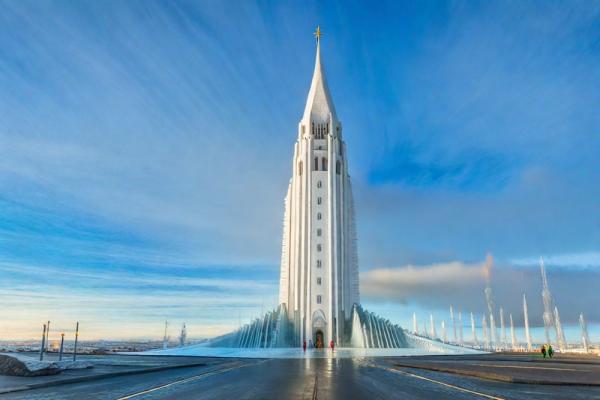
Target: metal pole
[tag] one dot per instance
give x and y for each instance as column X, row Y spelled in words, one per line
column 76, row 337
column 62, row 343
column 43, row 343
column 47, row 336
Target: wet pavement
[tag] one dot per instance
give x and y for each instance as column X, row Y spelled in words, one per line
column 320, row 378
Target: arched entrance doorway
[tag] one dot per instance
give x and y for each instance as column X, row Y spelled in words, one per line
column 319, row 325
column 319, row 339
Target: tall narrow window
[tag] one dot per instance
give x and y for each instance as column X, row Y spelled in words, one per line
column 319, row 264
column 319, row 216
column 318, row 299
column 318, row 281
column 319, row 200
column 319, row 247
column 300, row 168
column 324, row 163
column 338, row 167
column 319, row 184
column 316, row 163
column 319, row 232
column 303, row 129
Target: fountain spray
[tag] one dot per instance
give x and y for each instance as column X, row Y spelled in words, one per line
column 560, row 335
column 415, row 327
column 585, row 338
column 460, row 328
column 453, row 323
column 486, row 338
column 489, row 298
column 526, row 318
column 513, row 338
column 444, row 336
column 433, row 333
column 475, row 342
column 547, row 298
column 502, row 329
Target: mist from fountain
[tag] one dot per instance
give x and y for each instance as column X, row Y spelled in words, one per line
column 502, row 329
column 460, row 327
column 526, row 321
column 560, row 335
column 444, row 336
column 484, row 327
column 415, row 326
column 432, row 323
column 473, row 332
column 585, row 338
column 454, row 337
column 513, row 337
column 547, row 299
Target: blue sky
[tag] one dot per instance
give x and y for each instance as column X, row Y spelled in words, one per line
column 146, row 149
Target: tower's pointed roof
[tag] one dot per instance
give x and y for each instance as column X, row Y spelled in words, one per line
column 319, row 104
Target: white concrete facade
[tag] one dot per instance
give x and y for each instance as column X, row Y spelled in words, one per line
column 319, row 266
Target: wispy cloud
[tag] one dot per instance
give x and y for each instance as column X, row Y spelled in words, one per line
column 438, row 286
column 146, row 146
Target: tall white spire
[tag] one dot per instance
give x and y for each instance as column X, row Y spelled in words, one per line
column 319, row 106
column 319, row 265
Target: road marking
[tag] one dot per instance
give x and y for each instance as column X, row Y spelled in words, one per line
column 461, row 389
column 191, row 378
column 527, row 367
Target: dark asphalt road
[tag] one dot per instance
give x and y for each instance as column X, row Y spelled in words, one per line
column 303, row 379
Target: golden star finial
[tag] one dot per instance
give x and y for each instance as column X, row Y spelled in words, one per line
column 318, row 33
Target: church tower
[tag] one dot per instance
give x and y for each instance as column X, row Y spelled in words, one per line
column 319, row 266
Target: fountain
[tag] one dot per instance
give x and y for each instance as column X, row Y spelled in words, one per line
column 547, row 298
column 526, row 320
column 502, row 330
column 475, row 342
column 513, row 337
column 585, row 338
column 453, row 324
column 415, row 327
column 444, row 336
column 486, row 338
column 560, row 336
column 460, row 329
column 433, row 332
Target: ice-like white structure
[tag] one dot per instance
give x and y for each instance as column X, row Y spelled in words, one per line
column 368, row 331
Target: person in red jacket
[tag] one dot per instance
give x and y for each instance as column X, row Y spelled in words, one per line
column 304, row 346
column 332, row 345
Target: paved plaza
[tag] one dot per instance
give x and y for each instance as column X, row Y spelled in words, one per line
column 426, row 377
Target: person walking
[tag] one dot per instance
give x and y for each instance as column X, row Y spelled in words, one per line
column 304, row 346
column 550, row 351
column 543, row 350
column 332, row 345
